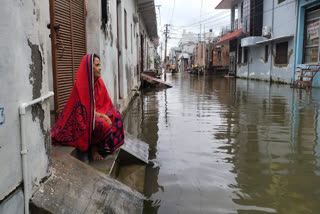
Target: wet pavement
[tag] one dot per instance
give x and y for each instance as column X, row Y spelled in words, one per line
column 222, row 145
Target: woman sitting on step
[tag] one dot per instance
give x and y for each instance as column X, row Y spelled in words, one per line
column 89, row 120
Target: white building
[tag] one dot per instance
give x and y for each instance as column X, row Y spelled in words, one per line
column 187, row 42
column 262, row 38
column 122, row 32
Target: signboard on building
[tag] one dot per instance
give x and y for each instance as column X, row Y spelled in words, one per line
column 312, row 30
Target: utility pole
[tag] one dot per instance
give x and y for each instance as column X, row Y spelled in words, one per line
column 165, row 50
column 160, row 52
column 198, row 52
column 158, row 6
column 199, row 58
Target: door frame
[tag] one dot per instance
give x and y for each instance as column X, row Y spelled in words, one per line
column 54, row 56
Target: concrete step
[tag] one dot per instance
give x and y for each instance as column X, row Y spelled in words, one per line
column 133, row 155
column 75, row 187
column 112, row 185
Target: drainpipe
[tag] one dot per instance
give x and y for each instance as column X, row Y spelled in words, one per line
column 271, row 44
column 295, row 45
column 24, row 149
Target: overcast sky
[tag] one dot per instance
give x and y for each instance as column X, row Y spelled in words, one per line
column 188, row 14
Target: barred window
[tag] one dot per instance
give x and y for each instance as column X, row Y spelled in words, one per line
column 311, row 36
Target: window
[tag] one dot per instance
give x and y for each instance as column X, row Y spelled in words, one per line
column 239, row 54
column 125, row 30
column 241, row 12
column 311, row 36
column 282, row 53
column 219, row 55
column 104, row 11
column 245, row 57
column 266, row 53
column 280, row 1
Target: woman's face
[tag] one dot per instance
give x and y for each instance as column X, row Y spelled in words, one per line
column 96, row 68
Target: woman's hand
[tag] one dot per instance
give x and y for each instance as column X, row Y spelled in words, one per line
column 105, row 117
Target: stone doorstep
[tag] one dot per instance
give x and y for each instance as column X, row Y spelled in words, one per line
column 76, row 187
column 127, row 165
column 107, row 165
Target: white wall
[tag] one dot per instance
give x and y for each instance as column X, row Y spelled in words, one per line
column 284, row 24
column 24, row 76
column 187, row 48
column 104, row 43
column 13, row 204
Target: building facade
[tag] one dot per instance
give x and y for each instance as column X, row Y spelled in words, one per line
column 42, row 46
column 262, row 42
column 24, row 67
column 220, row 56
column 187, row 44
column 124, row 35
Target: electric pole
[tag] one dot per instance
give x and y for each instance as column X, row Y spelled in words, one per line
column 166, row 40
column 165, row 51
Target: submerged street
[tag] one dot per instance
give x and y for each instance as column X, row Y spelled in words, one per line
column 160, row 107
column 221, row 145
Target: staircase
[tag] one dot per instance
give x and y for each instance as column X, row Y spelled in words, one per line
column 305, row 77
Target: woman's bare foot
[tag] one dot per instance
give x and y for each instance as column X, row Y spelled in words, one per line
column 95, row 154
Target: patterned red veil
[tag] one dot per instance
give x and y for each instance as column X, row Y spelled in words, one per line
column 76, row 125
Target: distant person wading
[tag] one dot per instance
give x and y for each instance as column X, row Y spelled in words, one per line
column 89, row 121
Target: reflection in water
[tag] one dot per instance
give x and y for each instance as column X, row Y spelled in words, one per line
column 229, row 146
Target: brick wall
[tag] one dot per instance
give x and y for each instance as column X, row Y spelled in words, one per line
column 221, row 55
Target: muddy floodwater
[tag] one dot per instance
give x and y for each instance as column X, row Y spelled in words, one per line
column 221, row 145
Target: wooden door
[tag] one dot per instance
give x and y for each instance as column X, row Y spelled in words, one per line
column 68, row 39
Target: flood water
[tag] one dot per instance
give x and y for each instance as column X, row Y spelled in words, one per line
column 221, row 145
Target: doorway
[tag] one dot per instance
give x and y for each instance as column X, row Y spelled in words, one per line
column 68, row 41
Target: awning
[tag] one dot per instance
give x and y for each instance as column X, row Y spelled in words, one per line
column 252, row 40
column 226, row 4
column 148, row 13
column 274, row 39
column 233, row 35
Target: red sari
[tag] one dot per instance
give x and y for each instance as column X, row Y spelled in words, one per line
column 76, row 125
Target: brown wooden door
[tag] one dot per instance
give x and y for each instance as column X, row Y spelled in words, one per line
column 68, row 39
